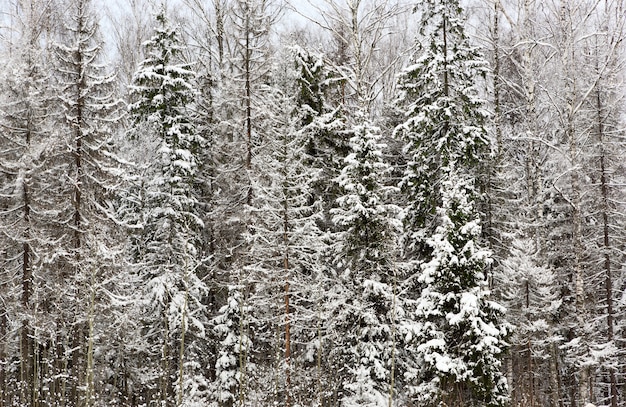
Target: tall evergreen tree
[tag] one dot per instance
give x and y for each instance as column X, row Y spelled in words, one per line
column 443, row 118
column 459, row 332
column 323, row 127
column 233, row 350
column 168, row 243
column 368, row 225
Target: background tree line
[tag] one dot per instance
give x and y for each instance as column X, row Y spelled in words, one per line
column 356, row 202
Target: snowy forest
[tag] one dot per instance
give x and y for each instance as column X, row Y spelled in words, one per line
column 314, row 203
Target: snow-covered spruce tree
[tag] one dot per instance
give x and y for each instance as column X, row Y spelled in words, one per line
column 443, row 118
column 460, row 334
column 317, row 145
column 232, row 328
column 363, row 318
column 322, row 125
column 168, row 255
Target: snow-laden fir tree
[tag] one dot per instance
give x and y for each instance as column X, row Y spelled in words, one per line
column 459, row 331
column 368, row 220
column 168, row 241
column 323, row 126
column 231, row 326
column 364, row 311
column 460, row 334
column 443, row 118
column 320, row 144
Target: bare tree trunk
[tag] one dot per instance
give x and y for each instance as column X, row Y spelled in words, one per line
column 78, row 341
column 220, row 14
column 243, row 351
column 248, row 98
column 493, row 191
column 531, row 373
column 61, row 370
column 26, row 344
column 164, row 377
column 555, row 377
column 27, row 273
column 320, row 388
column 569, row 114
column 392, row 372
column 35, row 389
column 605, row 210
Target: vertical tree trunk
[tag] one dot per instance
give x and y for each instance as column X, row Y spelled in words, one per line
column 78, row 341
column 26, row 348
column 61, row 370
column 76, row 378
column 35, row 381
column 287, row 316
column 555, row 378
column 287, row 345
column 3, row 353
column 497, row 83
column 392, row 370
column 493, row 191
column 243, row 357
column 248, row 97
column 581, row 312
column 568, row 58
column 530, row 374
column 164, row 377
column 24, row 357
column 47, row 374
column 606, row 240
column 26, row 266
column 90, row 394
column 577, row 248
column 220, row 13
column 320, row 388
column 183, row 328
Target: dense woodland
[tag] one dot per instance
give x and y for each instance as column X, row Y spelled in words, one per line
column 326, row 203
